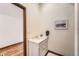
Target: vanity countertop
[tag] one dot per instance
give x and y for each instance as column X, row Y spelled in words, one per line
column 38, row 39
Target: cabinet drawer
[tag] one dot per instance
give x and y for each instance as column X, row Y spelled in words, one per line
column 43, row 51
column 44, row 42
column 43, row 47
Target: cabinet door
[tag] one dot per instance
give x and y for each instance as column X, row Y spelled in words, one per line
column 33, row 49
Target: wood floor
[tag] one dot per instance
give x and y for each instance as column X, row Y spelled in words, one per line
column 13, row 50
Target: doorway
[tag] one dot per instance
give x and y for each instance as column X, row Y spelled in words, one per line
column 13, row 29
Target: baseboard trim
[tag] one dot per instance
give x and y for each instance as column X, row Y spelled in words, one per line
column 46, row 53
column 11, row 45
column 49, row 51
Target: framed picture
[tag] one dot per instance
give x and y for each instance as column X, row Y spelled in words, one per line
column 61, row 24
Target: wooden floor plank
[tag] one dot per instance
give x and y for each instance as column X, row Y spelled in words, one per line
column 13, row 50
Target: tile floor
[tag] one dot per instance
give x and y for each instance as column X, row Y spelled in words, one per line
column 50, row 54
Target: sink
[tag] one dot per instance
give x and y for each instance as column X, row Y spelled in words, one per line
column 37, row 39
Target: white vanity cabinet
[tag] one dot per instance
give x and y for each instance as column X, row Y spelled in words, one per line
column 38, row 47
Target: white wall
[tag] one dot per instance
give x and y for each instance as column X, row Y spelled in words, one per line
column 33, row 21
column 41, row 19
column 11, row 25
column 60, row 41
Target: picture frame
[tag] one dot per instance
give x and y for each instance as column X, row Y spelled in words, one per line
column 61, row 24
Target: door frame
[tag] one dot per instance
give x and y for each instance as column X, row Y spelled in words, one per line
column 24, row 27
